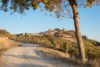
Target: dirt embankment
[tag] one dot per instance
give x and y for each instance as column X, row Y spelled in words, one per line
column 6, row 43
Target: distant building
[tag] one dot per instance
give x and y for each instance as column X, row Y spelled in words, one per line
column 3, row 38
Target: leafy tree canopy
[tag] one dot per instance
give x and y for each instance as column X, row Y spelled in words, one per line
column 59, row 7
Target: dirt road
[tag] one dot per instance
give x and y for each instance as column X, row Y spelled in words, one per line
column 28, row 55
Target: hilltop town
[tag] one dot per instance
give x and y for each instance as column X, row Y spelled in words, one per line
column 60, row 33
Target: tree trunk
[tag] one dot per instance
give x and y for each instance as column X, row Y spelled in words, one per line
column 77, row 30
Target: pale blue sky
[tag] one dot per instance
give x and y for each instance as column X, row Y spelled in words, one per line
column 34, row 22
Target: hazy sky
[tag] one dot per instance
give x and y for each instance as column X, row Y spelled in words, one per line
column 36, row 22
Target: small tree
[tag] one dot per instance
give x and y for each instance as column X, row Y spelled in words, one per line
column 65, row 46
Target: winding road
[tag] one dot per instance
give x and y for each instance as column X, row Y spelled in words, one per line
column 28, row 55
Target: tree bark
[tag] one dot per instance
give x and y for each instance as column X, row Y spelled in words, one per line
column 81, row 46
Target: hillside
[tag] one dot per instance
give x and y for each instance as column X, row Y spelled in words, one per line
column 6, row 43
column 60, row 40
column 60, row 34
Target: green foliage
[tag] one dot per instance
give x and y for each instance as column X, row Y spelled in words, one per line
column 60, row 7
column 93, row 52
column 65, row 46
column 90, row 3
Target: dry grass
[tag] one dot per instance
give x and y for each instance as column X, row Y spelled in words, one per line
column 94, row 63
column 53, row 53
column 4, row 44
